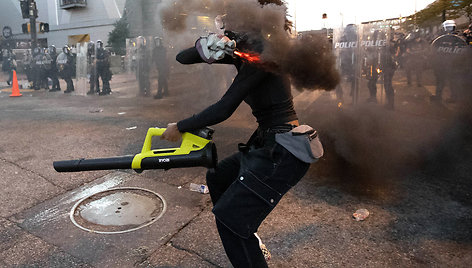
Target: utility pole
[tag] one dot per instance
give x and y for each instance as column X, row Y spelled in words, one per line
column 33, row 14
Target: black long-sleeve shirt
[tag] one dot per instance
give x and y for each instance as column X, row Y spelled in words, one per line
column 267, row 94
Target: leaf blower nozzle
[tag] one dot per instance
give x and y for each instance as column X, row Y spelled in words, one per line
column 196, row 150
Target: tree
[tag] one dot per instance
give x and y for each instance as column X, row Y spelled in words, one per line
column 117, row 37
column 441, row 10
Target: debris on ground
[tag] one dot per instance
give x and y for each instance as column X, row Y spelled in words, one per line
column 201, row 188
column 361, row 214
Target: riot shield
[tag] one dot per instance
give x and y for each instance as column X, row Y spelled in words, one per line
column 449, row 60
column 81, row 81
column 131, row 55
column 345, row 48
column 377, row 63
column 144, row 64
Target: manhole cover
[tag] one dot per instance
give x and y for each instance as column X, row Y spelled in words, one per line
column 118, row 210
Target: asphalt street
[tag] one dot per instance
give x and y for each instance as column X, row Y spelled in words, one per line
column 410, row 168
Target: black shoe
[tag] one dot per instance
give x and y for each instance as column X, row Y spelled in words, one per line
column 435, row 98
column 104, row 93
column 68, row 91
column 8, row 83
column 90, row 92
column 158, row 96
column 372, row 100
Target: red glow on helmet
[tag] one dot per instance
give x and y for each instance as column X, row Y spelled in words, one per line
column 248, row 56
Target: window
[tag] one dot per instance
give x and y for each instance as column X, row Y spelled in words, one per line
column 65, row 4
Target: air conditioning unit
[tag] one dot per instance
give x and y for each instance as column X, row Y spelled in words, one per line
column 67, row 4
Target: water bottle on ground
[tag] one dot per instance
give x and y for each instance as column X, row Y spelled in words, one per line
column 201, row 188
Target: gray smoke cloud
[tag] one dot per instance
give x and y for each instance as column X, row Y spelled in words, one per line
column 308, row 60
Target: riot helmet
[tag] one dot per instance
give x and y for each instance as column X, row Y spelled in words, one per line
column 449, row 26
column 141, row 41
column 52, row 49
column 66, row 49
column 350, row 32
column 90, row 46
column 36, row 51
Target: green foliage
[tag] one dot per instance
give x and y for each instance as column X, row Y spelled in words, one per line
column 117, row 37
column 435, row 12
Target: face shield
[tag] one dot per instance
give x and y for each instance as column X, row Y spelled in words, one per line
column 449, row 26
column 52, row 49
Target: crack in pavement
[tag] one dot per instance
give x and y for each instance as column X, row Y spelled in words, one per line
column 169, row 240
column 31, row 171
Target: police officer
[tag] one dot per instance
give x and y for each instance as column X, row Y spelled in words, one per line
column 448, row 51
column 52, row 68
column 92, row 67
column 65, row 67
column 371, row 68
column 103, row 69
column 143, row 66
column 380, row 59
column 347, row 57
column 28, row 65
column 38, row 68
column 160, row 59
column 468, row 35
column 9, row 64
column 414, row 57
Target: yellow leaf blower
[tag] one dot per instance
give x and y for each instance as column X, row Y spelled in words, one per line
column 196, row 150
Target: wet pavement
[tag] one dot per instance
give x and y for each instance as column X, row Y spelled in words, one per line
column 419, row 216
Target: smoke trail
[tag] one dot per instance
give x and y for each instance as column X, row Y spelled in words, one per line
column 308, row 60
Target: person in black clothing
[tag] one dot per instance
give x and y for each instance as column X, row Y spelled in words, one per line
column 160, row 58
column 9, row 64
column 103, row 69
column 381, row 60
column 468, row 35
column 448, row 52
column 28, row 66
column 65, row 67
column 246, row 186
column 52, row 71
column 39, row 69
column 348, row 58
column 415, row 57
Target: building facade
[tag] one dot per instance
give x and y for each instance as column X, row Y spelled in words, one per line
column 70, row 21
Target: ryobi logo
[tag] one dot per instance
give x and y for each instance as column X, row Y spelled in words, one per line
column 164, row 160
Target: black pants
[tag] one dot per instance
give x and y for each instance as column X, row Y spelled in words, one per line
column 162, row 85
column 104, row 73
column 445, row 77
column 387, row 81
column 55, row 80
column 244, row 189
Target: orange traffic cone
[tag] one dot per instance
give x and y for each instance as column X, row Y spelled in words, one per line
column 15, row 90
